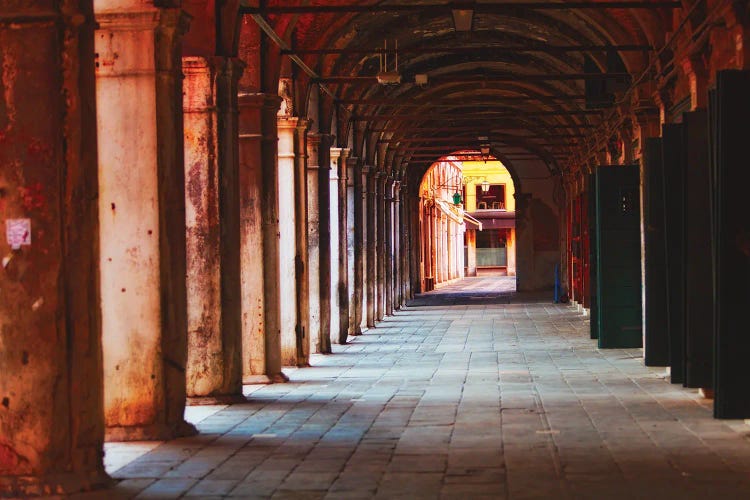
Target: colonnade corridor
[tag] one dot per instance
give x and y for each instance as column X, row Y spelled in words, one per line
column 473, row 391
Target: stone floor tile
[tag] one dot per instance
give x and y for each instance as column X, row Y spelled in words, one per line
column 503, row 398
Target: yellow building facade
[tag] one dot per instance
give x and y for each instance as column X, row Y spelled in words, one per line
column 489, row 196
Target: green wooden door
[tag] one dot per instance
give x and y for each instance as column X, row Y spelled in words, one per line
column 618, row 239
column 656, row 338
column 593, row 264
column 731, row 176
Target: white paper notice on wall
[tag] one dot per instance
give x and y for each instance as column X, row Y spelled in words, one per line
column 18, row 232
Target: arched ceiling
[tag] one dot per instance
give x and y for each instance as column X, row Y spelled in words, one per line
column 516, row 78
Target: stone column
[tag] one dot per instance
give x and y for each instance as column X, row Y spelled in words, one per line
column 471, row 243
column 343, row 285
column 260, row 319
column 351, row 163
column 406, row 243
column 272, row 254
column 335, row 257
column 413, row 214
column 313, row 240
column 287, row 126
column 371, row 275
column 214, row 365
column 142, row 222
column 250, row 107
column 326, row 242
column 398, row 249
column 51, row 419
column 381, row 246
column 301, row 232
column 434, row 243
column 358, row 210
column 450, row 238
column 389, row 262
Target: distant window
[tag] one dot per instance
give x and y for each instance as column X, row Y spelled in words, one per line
column 493, row 199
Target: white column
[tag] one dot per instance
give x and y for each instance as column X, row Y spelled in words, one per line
column 287, row 243
column 142, row 222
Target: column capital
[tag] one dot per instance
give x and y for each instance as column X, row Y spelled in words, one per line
column 303, row 124
column 287, row 122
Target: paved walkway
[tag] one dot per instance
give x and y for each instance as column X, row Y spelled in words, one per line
column 498, row 400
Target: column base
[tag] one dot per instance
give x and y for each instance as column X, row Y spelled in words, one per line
column 53, row 484
column 357, row 331
column 222, row 399
column 256, row 380
column 278, row 378
column 155, row 432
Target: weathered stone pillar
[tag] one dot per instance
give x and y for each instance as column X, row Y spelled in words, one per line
column 414, row 255
column 214, row 365
column 351, row 163
column 326, row 242
column 313, row 240
column 287, row 126
column 301, row 232
column 51, row 419
column 250, row 106
column 389, row 262
column 343, row 262
column 272, row 263
column 381, row 246
column 371, row 274
column 259, row 218
column 398, row 250
column 335, row 236
column 142, row 222
column 358, row 210
column 406, row 243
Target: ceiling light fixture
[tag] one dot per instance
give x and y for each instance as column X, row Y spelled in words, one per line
column 384, row 76
column 463, row 17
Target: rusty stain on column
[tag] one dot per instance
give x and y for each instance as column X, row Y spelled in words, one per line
column 51, row 413
column 371, row 275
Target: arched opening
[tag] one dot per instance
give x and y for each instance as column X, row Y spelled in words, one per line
column 466, row 220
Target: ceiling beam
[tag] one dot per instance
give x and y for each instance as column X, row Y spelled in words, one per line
column 478, row 8
column 491, row 138
column 479, row 128
column 476, row 115
column 447, row 103
column 494, row 50
column 481, row 78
